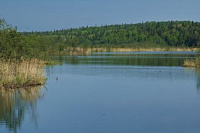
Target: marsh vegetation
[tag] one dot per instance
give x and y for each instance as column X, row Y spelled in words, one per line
column 192, row 62
column 21, row 59
column 22, row 74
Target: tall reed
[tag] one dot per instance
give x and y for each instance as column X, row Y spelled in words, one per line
column 189, row 63
column 23, row 73
column 192, row 62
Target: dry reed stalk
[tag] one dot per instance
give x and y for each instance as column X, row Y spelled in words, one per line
column 24, row 73
column 189, row 63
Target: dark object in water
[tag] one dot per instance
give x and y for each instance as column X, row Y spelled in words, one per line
column 56, row 78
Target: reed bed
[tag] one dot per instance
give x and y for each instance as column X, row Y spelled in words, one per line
column 192, row 62
column 23, row 73
column 87, row 51
column 189, row 63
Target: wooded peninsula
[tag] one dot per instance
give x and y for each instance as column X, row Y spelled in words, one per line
column 176, row 34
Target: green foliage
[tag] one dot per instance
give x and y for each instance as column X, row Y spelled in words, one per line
column 164, row 34
column 16, row 46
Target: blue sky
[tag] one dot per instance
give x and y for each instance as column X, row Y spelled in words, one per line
column 42, row 15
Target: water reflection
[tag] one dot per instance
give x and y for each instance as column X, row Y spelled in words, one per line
column 138, row 64
column 197, row 72
column 16, row 103
column 149, row 53
column 121, row 59
column 111, row 93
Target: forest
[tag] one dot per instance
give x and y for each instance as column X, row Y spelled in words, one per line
column 15, row 45
column 148, row 34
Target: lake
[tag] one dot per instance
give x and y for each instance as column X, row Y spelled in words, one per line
column 111, row 92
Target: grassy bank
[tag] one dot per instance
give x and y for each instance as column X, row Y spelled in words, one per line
column 17, row 74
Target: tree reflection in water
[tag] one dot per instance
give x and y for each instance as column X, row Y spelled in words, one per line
column 198, row 78
column 14, row 104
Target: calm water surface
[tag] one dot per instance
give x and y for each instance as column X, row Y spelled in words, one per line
column 109, row 93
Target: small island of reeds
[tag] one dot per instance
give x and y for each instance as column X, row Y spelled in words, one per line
column 25, row 73
column 192, row 62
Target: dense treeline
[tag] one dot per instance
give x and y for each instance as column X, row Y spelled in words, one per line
column 161, row 34
column 15, row 46
column 149, row 34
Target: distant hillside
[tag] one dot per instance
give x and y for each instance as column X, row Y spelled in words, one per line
column 171, row 33
column 148, row 34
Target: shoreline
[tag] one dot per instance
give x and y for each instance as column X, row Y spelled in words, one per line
column 17, row 86
column 29, row 73
column 82, row 51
